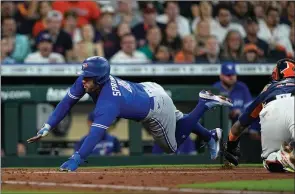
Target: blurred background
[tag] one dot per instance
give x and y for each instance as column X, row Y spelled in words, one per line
column 227, row 47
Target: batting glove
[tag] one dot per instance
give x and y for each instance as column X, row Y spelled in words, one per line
column 72, row 164
column 41, row 133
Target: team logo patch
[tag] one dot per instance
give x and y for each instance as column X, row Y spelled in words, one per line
column 84, row 66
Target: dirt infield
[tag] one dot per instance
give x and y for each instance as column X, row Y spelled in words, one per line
column 131, row 179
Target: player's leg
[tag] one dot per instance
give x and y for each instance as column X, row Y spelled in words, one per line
column 276, row 121
column 161, row 121
column 189, row 122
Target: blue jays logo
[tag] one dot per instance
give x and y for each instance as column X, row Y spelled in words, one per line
column 84, row 66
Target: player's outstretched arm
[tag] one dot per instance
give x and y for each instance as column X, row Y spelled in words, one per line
column 62, row 109
column 105, row 114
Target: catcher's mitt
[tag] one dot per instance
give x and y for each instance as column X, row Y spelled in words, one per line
column 231, row 155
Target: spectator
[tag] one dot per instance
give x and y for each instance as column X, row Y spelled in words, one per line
column 223, row 24
column 252, row 29
column 44, row 53
column 109, row 145
column 87, row 11
column 259, row 13
column 237, row 91
column 86, row 47
column 188, row 52
column 128, row 52
column 21, row 44
column 122, row 29
column 212, row 51
column 202, row 32
column 162, row 55
column 62, row 41
column 6, row 48
column 44, row 7
column 172, row 14
column 233, row 46
column 71, row 26
column 195, row 11
column 275, row 34
column 8, row 9
column 251, row 53
column 26, row 16
column 154, row 38
column 105, row 33
column 205, row 15
column 289, row 18
column 125, row 14
column 241, row 11
column 171, row 38
column 149, row 21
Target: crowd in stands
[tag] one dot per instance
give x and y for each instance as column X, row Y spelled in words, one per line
column 147, row 32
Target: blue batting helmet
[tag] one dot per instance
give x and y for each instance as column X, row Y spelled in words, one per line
column 96, row 67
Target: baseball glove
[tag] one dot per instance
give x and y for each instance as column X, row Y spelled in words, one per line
column 231, row 152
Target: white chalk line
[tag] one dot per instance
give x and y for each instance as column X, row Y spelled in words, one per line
column 144, row 172
column 137, row 188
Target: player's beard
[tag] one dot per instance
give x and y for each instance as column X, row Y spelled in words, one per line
column 96, row 88
column 227, row 84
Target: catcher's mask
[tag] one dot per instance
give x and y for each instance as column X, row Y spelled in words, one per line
column 285, row 68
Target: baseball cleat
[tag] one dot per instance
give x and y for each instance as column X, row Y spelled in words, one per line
column 214, row 100
column 214, row 143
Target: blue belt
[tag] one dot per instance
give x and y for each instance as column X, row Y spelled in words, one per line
column 152, row 103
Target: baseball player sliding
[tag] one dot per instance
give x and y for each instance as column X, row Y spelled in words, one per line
column 275, row 108
column 145, row 102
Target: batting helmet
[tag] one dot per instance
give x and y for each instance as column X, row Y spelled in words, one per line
column 284, row 68
column 96, row 67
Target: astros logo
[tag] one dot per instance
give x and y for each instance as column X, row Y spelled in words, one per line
column 84, row 66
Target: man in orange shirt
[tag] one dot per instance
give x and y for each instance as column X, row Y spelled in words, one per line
column 87, row 11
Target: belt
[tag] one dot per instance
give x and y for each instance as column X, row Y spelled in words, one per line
column 152, row 103
column 276, row 98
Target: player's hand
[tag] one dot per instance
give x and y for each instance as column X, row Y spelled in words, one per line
column 41, row 133
column 72, row 164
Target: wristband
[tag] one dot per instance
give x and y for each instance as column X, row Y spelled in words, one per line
column 232, row 137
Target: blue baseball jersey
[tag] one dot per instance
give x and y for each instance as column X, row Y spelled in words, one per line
column 187, row 147
column 106, row 146
column 240, row 95
column 274, row 91
column 117, row 99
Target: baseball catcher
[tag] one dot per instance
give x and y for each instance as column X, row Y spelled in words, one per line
column 275, row 108
column 145, row 102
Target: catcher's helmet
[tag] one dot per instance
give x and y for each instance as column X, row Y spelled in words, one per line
column 96, row 67
column 284, row 68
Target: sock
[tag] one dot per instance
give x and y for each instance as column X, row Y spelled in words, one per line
column 95, row 135
column 189, row 123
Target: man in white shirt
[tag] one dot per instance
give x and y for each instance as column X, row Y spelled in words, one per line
column 172, row 14
column 223, row 24
column 44, row 53
column 273, row 33
column 128, row 52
